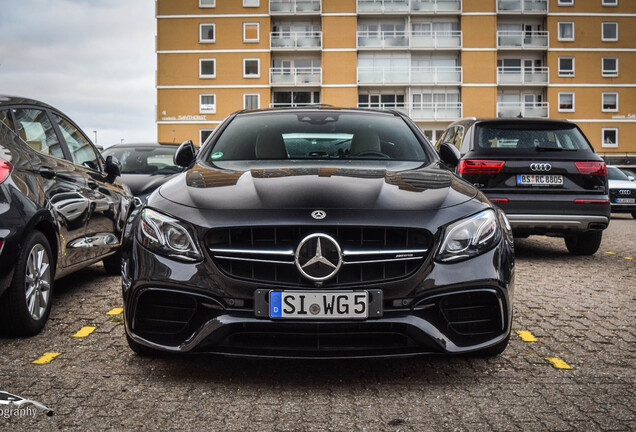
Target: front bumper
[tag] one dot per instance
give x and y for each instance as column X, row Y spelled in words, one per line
column 180, row 307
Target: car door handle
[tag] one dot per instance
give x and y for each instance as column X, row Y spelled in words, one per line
column 47, row 172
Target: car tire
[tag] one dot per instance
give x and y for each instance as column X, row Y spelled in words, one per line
column 492, row 351
column 584, row 244
column 141, row 350
column 21, row 310
column 112, row 264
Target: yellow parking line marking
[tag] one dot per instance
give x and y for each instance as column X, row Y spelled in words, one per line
column 558, row 363
column 46, row 358
column 629, row 258
column 84, row 331
column 115, row 311
column 611, row 253
column 526, row 336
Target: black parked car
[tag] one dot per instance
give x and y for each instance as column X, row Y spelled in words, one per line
column 317, row 233
column 60, row 209
column 145, row 166
column 543, row 173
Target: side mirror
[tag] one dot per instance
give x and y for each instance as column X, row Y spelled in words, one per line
column 449, row 154
column 631, row 178
column 185, row 155
column 112, row 167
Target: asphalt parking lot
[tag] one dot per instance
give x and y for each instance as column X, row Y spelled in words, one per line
column 579, row 372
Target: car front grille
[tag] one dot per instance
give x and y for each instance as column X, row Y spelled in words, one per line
column 267, row 254
column 620, row 193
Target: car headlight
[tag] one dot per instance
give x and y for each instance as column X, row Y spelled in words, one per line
column 167, row 236
column 469, row 237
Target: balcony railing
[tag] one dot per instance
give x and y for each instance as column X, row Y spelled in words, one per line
column 294, row 6
column 523, row 6
column 422, row 110
column 425, row 6
column 523, row 109
column 295, row 40
column 447, row 75
column 522, row 39
column 308, row 76
column 523, row 76
column 412, row 40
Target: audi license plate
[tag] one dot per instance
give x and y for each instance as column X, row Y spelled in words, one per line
column 319, row 304
column 625, row 200
column 539, row 179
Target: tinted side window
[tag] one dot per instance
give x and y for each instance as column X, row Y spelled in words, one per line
column 6, row 119
column 35, row 128
column 81, row 150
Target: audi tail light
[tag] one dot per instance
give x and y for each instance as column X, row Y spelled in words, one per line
column 5, row 169
column 590, row 201
column 591, row 168
column 480, row 166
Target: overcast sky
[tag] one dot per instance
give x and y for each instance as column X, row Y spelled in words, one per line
column 92, row 59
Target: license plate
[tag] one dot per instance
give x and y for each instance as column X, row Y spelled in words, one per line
column 319, row 304
column 539, row 179
column 625, row 200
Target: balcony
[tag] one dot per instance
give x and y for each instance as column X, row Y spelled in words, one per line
column 295, row 76
column 406, row 6
column 516, row 76
column 295, row 40
column 537, row 40
column 424, row 110
column 516, row 109
column 409, row 40
column 291, row 7
column 446, row 75
column 523, row 6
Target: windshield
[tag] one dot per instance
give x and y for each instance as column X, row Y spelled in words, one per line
column 318, row 135
column 145, row 160
column 530, row 139
column 614, row 173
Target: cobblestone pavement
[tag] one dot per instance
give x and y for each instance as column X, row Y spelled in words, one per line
column 582, row 310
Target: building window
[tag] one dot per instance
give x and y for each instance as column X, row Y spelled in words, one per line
column 610, row 3
column 566, row 31
column 566, row 66
column 566, row 102
column 204, row 134
column 565, row 3
column 207, row 3
column 610, row 102
column 207, row 32
column 610, row 32
column 609, row 137
column 207, row 103
column 251, row 101
column 251, row 3
column 610, row 66
column 250, row 32
column 207, row 68
column 251, row 68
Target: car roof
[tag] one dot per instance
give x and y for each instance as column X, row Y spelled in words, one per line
column 19, row 100
column 319, row 108
column 143, row 144
column 510, row 121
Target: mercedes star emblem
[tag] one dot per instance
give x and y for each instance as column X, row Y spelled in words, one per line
column 318, row 257
column 318, row 214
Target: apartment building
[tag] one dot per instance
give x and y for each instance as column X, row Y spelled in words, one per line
column 435, row 60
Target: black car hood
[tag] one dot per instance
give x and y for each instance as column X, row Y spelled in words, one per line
column 143, row 184
column 275, row 186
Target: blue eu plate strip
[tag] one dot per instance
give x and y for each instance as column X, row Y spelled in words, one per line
column 275, row 304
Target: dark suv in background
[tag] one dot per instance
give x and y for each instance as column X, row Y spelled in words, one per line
column 543, row 173
column 60, row 209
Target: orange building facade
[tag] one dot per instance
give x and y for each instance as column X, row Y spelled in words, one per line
column 435, row 60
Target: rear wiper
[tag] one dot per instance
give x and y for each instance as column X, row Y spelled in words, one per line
column 541, row 148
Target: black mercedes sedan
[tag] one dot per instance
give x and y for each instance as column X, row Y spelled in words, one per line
column 318, row 233
column 144, row 166
column 60, row 209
